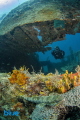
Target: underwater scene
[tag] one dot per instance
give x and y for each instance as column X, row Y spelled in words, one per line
column 39, row 59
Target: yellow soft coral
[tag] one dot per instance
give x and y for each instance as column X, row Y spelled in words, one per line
column 63, row 84
column 69, row 80
column 18, row 77
column 49, row 85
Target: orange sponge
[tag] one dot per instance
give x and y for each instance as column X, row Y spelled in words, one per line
column 18, row 77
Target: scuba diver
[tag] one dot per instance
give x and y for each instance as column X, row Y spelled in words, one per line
column 57, row 53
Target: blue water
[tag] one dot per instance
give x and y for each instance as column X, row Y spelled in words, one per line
column 72, row 41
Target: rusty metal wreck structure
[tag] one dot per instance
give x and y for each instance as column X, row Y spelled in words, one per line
column 51, row 20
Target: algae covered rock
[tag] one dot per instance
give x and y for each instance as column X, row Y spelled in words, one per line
column 54, row 106
column 44, row 99
column 56, row 109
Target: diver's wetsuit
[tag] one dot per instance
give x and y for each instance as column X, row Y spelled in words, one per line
column 57, row 53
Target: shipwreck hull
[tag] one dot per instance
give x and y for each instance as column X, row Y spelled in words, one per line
column 24, row 39
column 33, row 25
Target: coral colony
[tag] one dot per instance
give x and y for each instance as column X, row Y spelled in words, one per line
column 40, row 84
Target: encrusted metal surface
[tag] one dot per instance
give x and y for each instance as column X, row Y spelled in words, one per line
column 34, row 24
